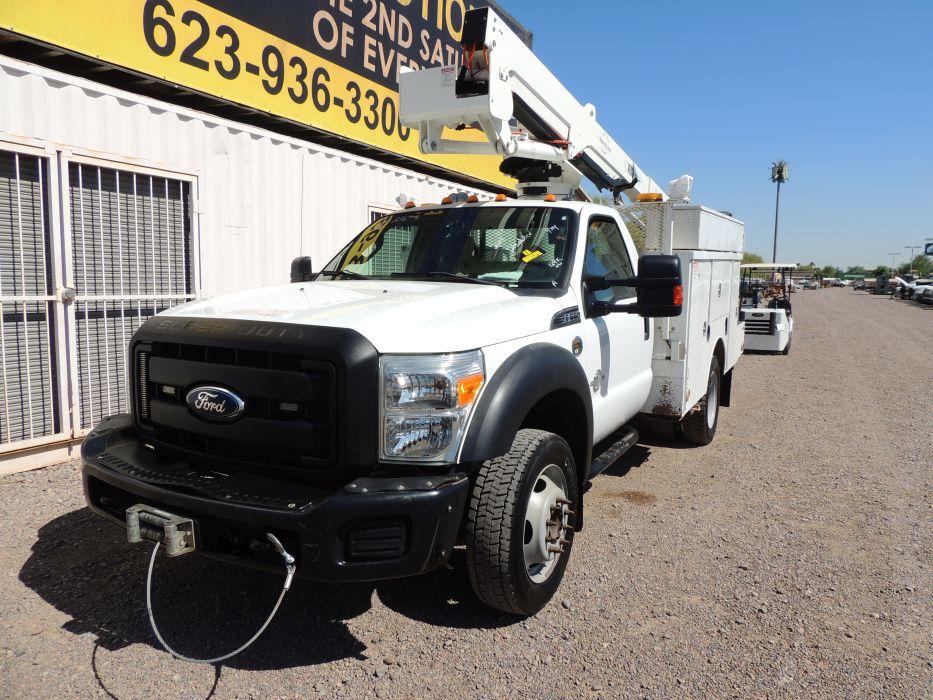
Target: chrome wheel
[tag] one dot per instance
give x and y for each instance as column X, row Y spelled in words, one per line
column 547, row 517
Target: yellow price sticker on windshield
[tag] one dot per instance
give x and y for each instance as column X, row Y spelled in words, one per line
column 529, row 255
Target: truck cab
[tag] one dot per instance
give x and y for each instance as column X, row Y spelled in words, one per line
column 441, row 381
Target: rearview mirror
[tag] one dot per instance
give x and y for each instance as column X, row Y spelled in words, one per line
column 658, row 286
column 301, row 269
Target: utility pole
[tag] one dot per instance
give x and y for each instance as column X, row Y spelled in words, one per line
column 780, row 172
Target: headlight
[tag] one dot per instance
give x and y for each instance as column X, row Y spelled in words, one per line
column 426, row 402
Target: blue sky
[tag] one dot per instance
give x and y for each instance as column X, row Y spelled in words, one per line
column 720, row 89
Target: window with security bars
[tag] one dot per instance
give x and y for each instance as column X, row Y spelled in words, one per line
column 395, row 249
column 28, row 382
column 132, row 258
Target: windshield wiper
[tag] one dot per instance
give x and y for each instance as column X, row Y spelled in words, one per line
column 343, row 273
column 439, row 274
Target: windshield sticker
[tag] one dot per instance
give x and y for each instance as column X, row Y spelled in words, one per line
column 371, row 235
column 529, row 254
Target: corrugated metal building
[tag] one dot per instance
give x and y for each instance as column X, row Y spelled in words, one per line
column 114, row 206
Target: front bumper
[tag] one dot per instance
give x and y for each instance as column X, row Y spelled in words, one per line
column 370, row 529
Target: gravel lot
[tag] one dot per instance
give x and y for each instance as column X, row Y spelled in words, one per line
column 789, row 558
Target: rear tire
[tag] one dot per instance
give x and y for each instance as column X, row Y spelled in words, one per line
column 513, row 497
column 699, row 427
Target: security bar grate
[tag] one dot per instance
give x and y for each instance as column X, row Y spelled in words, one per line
column 132, row 257
column 28, row 377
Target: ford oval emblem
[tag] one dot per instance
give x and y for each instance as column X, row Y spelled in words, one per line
column 215, row 404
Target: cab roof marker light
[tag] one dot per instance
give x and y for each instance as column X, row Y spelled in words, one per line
column 500, row 197
column 650, row 197
column 472, row 199
column 447, row 200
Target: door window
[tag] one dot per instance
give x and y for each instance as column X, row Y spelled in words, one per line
column 607, row 256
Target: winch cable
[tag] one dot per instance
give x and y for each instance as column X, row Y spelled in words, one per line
column 289, row 562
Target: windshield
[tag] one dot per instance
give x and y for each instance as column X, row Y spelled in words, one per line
column 522, row 246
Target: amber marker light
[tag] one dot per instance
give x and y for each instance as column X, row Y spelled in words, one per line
column 468, row 388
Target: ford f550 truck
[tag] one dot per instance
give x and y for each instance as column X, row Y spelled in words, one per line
column 443, row 379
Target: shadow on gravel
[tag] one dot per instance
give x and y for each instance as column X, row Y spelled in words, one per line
column 83, row 567
column 636, row 456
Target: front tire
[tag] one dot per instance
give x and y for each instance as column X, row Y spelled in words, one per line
column 699, row 427
column 520, row 523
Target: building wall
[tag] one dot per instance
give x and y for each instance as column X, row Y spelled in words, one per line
column 249, row 202
column 262, row 199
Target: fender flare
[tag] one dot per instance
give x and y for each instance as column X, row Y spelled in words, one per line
column 526, row 377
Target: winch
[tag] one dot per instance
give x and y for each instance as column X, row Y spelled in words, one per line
column 177, row 534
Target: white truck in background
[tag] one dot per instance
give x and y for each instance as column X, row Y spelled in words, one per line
column 443, row 379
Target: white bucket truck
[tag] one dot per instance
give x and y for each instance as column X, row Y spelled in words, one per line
column 443, row 379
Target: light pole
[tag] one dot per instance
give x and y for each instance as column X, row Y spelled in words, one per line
column 893, row 268
column 912, row 248
column 780, row 172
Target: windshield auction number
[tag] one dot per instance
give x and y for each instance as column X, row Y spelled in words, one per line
column 279, row 74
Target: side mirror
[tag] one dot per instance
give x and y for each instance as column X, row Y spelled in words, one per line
column 659, row 289
column 301, row 269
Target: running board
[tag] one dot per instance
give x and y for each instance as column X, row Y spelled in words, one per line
column 618, row 448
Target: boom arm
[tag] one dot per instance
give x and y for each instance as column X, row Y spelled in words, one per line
column 500, row 83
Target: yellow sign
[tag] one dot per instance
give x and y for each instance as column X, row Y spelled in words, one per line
column 356, row 254
column 330, row 64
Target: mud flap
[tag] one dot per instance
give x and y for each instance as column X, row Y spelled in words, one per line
column 725, row 389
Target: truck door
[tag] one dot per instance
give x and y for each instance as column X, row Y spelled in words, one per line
column 617, row 346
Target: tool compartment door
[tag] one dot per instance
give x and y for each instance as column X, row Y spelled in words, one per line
column 699, row 333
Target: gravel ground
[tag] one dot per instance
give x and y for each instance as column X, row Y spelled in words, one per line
column 790, row 558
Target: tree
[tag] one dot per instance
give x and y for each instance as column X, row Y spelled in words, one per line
column 830, row 271
column 856, row 270
column 922, row 264
column 751, row 258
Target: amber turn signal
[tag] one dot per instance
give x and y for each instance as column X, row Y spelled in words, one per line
column 468, row 388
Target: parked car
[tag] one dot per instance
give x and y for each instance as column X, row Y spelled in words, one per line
column 839, row 283
column 918, row 287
